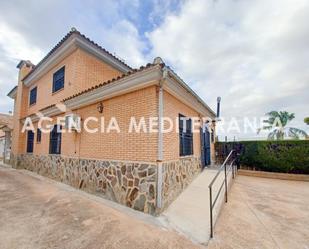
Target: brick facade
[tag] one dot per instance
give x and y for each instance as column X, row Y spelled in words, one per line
column 121, row 166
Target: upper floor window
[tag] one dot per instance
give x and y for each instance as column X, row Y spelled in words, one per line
column 58, row 80
column 38, row 135
column 32, row 98
column 185, row 136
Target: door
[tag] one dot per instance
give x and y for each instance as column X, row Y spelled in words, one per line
column 205, row 146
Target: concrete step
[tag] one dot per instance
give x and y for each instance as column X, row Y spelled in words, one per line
column 189, row 214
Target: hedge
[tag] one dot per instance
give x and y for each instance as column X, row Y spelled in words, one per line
column 289, row 156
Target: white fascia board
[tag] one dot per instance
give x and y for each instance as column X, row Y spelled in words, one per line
column 128, row 84
column 54, row 59
column 184, row 89
column 13, row 93
column 179, row 91
column 104, row 56
column 50, row 112
column 68, row 47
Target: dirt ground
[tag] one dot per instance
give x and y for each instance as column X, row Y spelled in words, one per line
column 264, row 213
column 36, row 212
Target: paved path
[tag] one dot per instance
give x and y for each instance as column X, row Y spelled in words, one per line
column 189, row 213
column 36, row 212
column 264, row 213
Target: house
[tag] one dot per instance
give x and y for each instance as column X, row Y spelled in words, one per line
column 82, row 82
column 6, row 127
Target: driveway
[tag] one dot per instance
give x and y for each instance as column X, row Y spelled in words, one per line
column 36, row 212
column 264, row 213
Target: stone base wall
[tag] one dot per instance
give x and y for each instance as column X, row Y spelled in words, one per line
column 128, row 183
column 177, row 175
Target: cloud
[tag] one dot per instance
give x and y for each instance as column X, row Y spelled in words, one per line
column 252, row 53
column 31, row 30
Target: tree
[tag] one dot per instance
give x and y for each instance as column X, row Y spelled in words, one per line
column 277, row 124
column 306, row 120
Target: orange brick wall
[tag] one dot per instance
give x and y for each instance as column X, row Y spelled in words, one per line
column 82, row 71
column 19, row 139
column 172, row 107
column 114, row 146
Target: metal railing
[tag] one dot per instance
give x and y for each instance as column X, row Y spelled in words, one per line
column 227, row 168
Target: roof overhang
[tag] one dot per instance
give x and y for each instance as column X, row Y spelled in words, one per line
column 145, row 78
column 67, row 47
column 12, row 94
column 179, row 89
column 131, row 83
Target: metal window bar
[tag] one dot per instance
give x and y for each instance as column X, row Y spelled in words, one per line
column 227, row 169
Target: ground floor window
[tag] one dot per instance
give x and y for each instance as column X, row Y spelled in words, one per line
column 185, row 136
column 55, row 140
column 30, row 139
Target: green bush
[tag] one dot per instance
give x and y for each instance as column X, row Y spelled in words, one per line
column 288, row 156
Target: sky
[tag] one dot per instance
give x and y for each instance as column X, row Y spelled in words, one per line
column 254, row 54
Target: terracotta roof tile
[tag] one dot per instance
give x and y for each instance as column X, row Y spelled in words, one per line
column 73, row 31
column 112, row 80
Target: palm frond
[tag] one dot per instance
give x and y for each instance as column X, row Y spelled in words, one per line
column 297, row 131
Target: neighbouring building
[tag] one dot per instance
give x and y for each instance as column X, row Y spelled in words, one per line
column 145, row 170
column 6, row 127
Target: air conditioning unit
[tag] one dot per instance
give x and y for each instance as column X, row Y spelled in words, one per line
column 73, row 122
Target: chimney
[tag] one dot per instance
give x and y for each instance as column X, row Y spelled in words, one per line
column 218, row 106
column 24, row 66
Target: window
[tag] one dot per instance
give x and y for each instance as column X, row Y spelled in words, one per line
column 55, row 140
column 32, row 98
column 185, row 136
column 30, row 138
column 212, row 135
column 38, row 135
column 58, row 80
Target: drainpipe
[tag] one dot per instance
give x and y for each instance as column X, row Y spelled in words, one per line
column 160, row 139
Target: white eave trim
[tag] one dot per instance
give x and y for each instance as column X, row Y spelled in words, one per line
column 175, row 86
column 13, row 93
column 68, row 47
column 136, row 81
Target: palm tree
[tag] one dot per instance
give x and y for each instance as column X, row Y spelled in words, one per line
column 277, row 122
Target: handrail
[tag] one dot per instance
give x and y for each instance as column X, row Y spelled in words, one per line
column 224, row 183
column 219, row 170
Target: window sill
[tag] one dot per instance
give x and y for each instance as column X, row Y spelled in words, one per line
column 33, row 104
column 53, row 93
column 186, row 156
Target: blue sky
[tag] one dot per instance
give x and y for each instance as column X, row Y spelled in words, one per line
column 254, row 54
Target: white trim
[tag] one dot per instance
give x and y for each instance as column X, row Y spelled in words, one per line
column 74, row 42
column 199, row 104
column 128, row 84
column 160, row 134
column 92, row 49
column 179, row 91
column 67, row 48
column 13, row 94
column 159, row 185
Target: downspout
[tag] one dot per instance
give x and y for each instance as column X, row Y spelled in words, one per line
column 160, row 139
